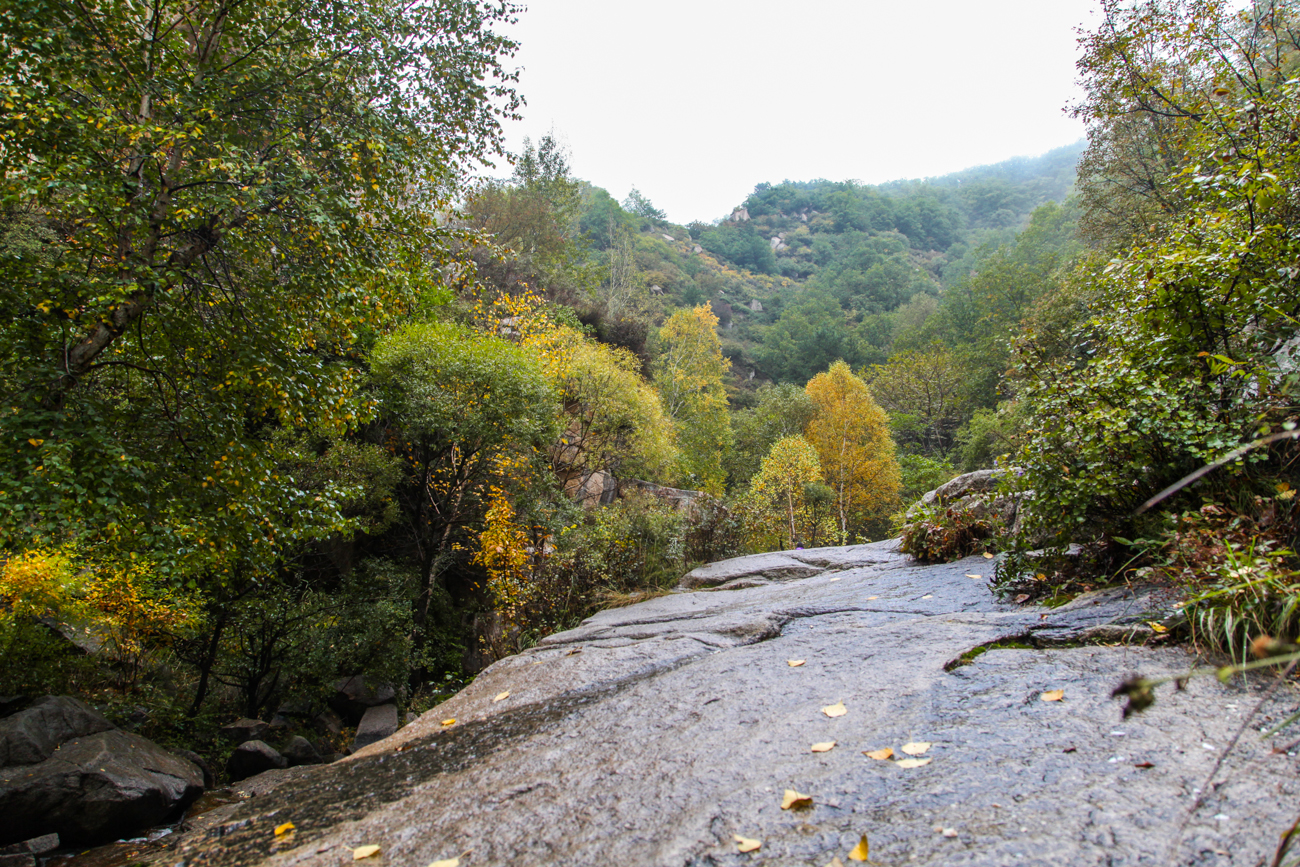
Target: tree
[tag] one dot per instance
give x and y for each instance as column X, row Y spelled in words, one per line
column 229, row 196
column 688, row 372
column 924, row 393
column 811, row 333
column 454, row 404
column 851, row 436
column 780, row 491
column 783, row 410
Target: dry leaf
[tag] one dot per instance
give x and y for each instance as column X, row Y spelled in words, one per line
column 364, row 852
column 795, row 801
column 823, row 747
column 974, row 575
column 744, row 844
column 928, row 596
column 1144, row 765
column 501, row 696
column 449, row 722
column 1053, row 695
column 912, row 763
column 916, row 748
column 835, row 862
column 837, row 709
column 860, row 851
column 1157, row 627
column 869, row 598
column 446, row 862
column 281, row 830
column 795, row 663
column 1023, row 597
column 879, row 755
column 988, row 556
column 949, row 832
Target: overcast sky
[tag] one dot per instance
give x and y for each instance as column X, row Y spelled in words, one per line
column 696, row 101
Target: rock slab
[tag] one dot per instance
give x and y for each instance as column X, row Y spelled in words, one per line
column 653, row 734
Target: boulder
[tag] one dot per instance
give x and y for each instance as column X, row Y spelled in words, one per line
column 327, row 722
column 95, row 788
column 775, row 566
column 978, row 492
column 209, row 778
column 377, row 724
column 300, row 751
column 251, row 758
column 243, row 730
column 24, row 854
column 32, row 735
column 354, row 695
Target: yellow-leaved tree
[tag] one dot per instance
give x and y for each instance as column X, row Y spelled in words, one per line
column 688, row 372
column 851, row 435
column 777, row 499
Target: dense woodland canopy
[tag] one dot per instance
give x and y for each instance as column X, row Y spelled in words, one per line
column 297, row 385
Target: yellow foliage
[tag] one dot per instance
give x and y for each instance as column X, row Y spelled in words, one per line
column 851, row 435
column 40, row 582
column 507, row 553
column 776, row 503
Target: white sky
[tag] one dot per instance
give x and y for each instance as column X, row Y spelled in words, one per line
column 696, row 101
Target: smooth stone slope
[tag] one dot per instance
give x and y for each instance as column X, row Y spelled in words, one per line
column 652, row 734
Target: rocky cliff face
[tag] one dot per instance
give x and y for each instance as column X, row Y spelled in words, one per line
column 657, row 734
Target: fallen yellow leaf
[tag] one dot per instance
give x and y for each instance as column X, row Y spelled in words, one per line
column 795, row 663
column 988, row 556
column 744, row 844
column 869, row 598
column 860, row 851
column 364, row 852
column 823, row 747
column 974, row 575
column 446, row 862
column 916, row 748
column 837, row 709
column 501, row 696
column 795, row 801
column 281, row 830
column 835, row 862
column 1157, row 627
column 879, row 755
column 449, row 722
column 1053, row 695
column 912, row 763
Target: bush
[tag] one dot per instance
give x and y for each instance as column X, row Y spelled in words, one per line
column 938, row 534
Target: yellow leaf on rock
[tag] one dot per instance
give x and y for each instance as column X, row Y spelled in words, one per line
column 281, row 830
column 974, row 575
column 834, row 710
column 912, row 763
column 988, row 556
column 795, row 801
column 1053, row 695
column 501, row 696
column 916, row 748
column 869, row 598
column 823, row 747
column 744, row 844
column 446, row 862
column 362, row 852
column 795, row 663
column 879, row 755
column 1157, row 627
column 860, row 851
column 449, row 722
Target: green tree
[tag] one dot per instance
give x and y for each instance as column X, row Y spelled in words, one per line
column 783, row 410
column 455, row 404
column 688, row 371
column 230, row 196
column 924, row 394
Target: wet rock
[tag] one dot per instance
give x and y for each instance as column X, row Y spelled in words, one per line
column 300, row 751
column 245, row 729
column 209, row 778
column 32, row 735
column 95, row 788
column 253, row 757
column 766, row 567
column 24, row 854
column 377, row 724
column 651, row 734
column 354, row 695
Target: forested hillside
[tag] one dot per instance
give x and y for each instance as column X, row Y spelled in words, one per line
column 297, row 389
